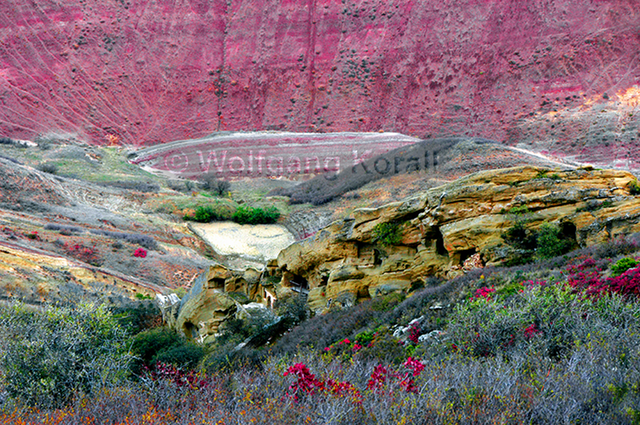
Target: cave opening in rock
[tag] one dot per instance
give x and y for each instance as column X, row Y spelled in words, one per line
column 190, row 330
column 299, row 282
column 218, row 283
column 378, row 256
column 440, row 249
column 568, row 230
column 464, row 255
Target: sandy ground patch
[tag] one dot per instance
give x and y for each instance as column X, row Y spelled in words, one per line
column 259, row 243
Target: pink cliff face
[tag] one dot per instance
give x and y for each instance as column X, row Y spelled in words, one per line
column 531, row 72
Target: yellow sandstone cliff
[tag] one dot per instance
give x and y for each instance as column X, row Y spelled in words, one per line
column 441, row 232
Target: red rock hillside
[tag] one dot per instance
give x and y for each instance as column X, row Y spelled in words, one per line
column 557, row 76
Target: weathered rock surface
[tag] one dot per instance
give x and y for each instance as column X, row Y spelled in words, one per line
column 558, row 76
column 456, row 227
column 214, row 297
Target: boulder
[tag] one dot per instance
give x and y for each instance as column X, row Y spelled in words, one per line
column 213, row 299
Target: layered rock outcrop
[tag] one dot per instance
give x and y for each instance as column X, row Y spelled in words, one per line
column 442, row 232
column 455, row 226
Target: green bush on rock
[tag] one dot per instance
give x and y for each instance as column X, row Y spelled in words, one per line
column 387, row 233
column 551, row 242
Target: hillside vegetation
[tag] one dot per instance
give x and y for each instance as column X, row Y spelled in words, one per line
column 553, row 341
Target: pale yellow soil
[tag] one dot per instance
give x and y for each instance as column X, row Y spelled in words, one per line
column 259, row 243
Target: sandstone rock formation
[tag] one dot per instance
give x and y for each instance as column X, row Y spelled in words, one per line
column 443, row 232
column 455, row 227
column 214, row 297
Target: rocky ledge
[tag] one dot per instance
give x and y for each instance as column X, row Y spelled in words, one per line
column 456, row 227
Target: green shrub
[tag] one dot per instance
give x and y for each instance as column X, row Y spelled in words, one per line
column 209, row 213
column 622, row 265
column 51, row 354
column 490, row 326
column 544, row 174
column 546, row 242
column 205, row 214
column 634, row 187
column 166, row 345
column 387, row 302
column 387, row 233
column 138, row 316
column 250, row 215
column 185, row 355
column 519, row 210
column 384, row 347
column 520, row 237
column 551, row 242
column 48, row 167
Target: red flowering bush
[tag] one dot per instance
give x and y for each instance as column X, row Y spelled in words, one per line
column 415, row 365
column 484, row 292
column 83, row 253
column 627, row 285
column 308, row 384
column 140, row 253
column 409, row 385
column 407, row 382
column 167, row 372
column 344, row 348
column 533, row 283
column 414, row 333
column 378, row 378
column 531, row 331
column 587, row 276
column 345, row 388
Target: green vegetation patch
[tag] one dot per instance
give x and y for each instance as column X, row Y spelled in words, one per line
column 387, row 233
column 548, row 241
column 50, row 355
column 634, row 187
column 622, row 265
column 256, row 215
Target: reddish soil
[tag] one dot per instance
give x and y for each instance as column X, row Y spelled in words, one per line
column 149, row 72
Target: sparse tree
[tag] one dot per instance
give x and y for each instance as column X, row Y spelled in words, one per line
column 214, row 185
